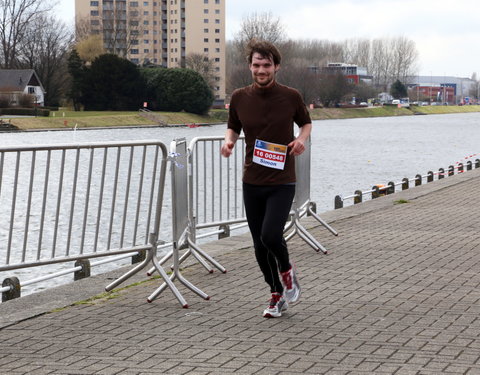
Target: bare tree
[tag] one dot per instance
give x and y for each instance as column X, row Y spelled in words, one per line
column 90, row 48
column 119, row 33
column 298, row 73
column 15, row 17
column 261, row 26
column 45, row 49
column 202, row 65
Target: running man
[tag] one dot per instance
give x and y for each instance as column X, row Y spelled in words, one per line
column 266, row 112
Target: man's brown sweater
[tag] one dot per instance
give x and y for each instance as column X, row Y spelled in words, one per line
column 267, row 114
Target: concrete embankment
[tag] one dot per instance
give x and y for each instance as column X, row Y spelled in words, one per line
column 398, row 293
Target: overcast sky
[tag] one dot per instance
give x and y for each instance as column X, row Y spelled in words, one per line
column 446, row 33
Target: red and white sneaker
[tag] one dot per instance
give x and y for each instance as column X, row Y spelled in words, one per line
column 291, row 286
column 276, row 306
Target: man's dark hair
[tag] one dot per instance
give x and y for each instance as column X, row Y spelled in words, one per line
column 266, row 49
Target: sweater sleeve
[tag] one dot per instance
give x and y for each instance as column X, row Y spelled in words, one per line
column 302, row 116
column 234, row 122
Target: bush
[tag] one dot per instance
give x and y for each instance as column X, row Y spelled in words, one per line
column 25, row 112
column 4, row 101
column 26, row 101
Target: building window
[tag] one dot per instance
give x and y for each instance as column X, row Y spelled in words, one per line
column 134, row 4
column 217, row 1
column 134, row 51
column 94, row 3
column 205, row 11
column 145, row 22
column 135, row 61
column 145, row 3
column 145, row 13
column 217, row 11
column 217, row 40
column 205, row 50
column 134, row 42
column 217, row 59
column 205, row 20
column 217, row 21
column 205, row 1
column 146, row 41
column 145, row 32
column 146, row 50
column 217, row 31
column 95, row 22
column 94, row 12
column 205, row 40
column 217, row 50
column 205, row 30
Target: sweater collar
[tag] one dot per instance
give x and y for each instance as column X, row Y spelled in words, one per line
column 264, row 90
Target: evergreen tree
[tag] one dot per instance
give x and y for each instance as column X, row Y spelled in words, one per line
column 177, row 89
column 77, row 73
column 113, row 83
column 398, row 90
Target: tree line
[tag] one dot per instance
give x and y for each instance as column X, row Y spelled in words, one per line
column 31, row 37
column 385, row 59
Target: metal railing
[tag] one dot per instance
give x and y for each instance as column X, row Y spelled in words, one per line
column 380, row 190
column 70, row 202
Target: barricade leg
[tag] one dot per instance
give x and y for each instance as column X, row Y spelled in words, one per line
column 167, row 282
column 308, row 238
column 321, row 221
column 133, row 271
column 196, row 249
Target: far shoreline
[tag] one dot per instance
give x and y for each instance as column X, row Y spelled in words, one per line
column 71, row 120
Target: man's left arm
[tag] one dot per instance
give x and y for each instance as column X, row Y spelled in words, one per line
column 297, row 146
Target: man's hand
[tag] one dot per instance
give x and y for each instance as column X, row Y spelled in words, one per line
column 227, row 148
column 296, row 147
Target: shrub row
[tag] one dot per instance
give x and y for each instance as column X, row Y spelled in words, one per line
column 25, row 112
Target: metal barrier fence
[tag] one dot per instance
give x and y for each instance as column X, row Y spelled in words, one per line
column 80, row 201
column 112, row 210
column 390, row 187
column 302, row 204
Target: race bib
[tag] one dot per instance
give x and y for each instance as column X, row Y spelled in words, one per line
column 269, row 155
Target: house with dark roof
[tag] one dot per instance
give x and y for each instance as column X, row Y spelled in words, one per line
column 15, row 82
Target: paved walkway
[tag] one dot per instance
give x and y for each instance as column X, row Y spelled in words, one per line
column 398, row 294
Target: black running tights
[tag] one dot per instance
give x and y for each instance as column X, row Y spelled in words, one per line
column 267, row 209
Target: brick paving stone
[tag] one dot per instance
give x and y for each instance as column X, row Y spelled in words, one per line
column 399, row 293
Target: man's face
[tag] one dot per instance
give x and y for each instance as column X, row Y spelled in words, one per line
column 263, row 70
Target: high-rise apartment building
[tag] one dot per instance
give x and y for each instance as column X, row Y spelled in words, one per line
column 162, row 32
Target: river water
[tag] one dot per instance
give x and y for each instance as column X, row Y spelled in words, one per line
column 347, row 154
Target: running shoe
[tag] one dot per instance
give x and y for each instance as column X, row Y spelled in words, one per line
column 276, row 306
column 291, row 287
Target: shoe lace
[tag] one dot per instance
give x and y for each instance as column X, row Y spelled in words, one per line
column 287, row 278
column 275, row 298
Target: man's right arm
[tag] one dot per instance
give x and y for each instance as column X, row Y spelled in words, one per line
column 230, row 138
